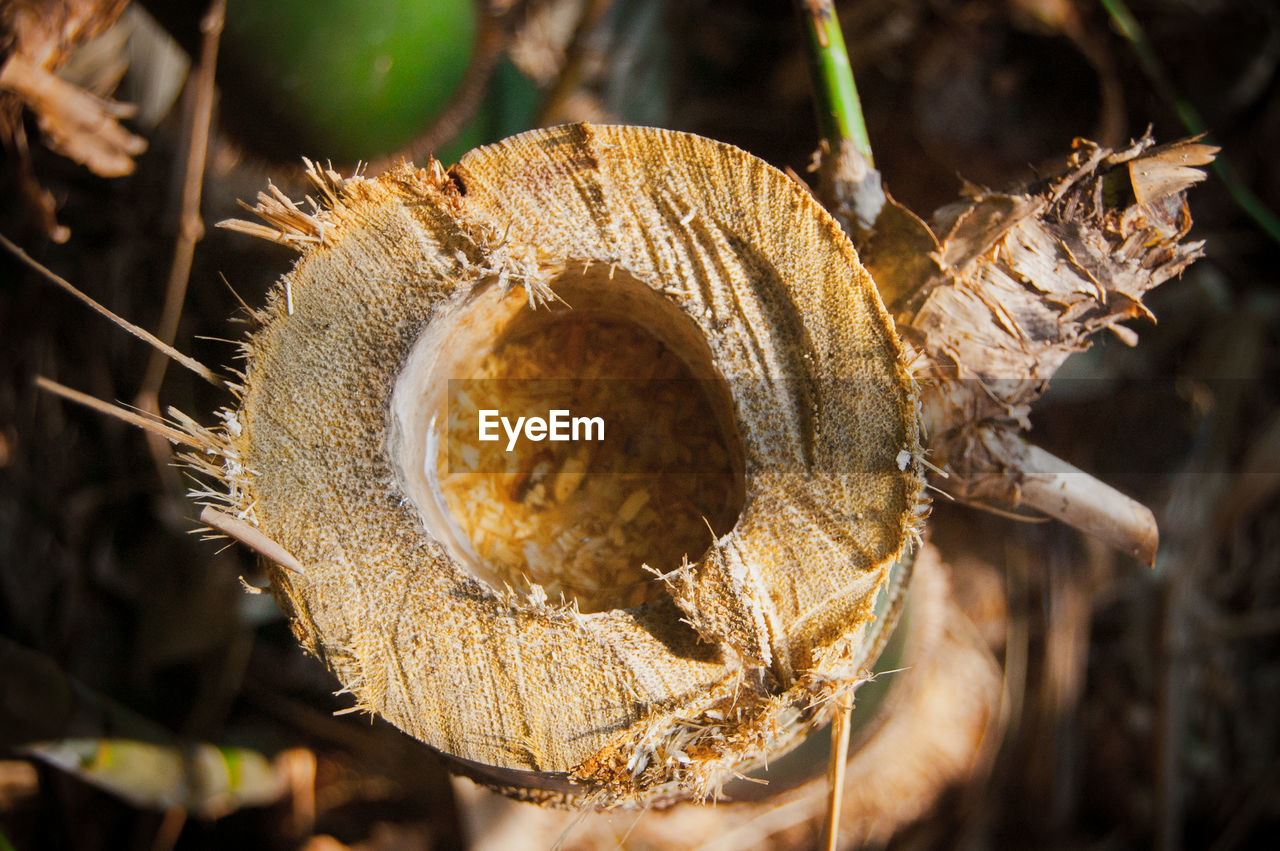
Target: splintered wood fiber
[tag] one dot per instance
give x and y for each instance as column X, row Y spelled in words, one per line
column 816, row 425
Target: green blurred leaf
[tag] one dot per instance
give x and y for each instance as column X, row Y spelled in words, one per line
column 203, row 779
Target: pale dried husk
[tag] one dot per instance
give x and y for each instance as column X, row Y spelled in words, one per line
column 755, row 636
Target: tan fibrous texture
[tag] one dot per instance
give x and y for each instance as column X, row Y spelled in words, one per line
column 935, row 729
column 662, row 700
column 1037, row 273
column 1002, row 287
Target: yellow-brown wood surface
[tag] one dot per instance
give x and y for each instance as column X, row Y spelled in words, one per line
column 757, row 631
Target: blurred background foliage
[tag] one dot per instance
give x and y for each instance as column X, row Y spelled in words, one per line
column 1136, row 707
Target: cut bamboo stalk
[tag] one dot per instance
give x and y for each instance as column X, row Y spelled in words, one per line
column 605, row 254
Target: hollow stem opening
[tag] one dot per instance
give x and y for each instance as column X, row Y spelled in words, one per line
column 571, row 446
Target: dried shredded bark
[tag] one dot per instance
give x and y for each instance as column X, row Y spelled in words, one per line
column 77, row 124
column 35, row 39
column 1018, row 282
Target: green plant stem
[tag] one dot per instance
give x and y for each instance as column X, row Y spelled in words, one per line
column 1131, row 29
column 835, row 95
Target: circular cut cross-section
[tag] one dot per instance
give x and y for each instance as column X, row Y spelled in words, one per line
column 624, row 614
